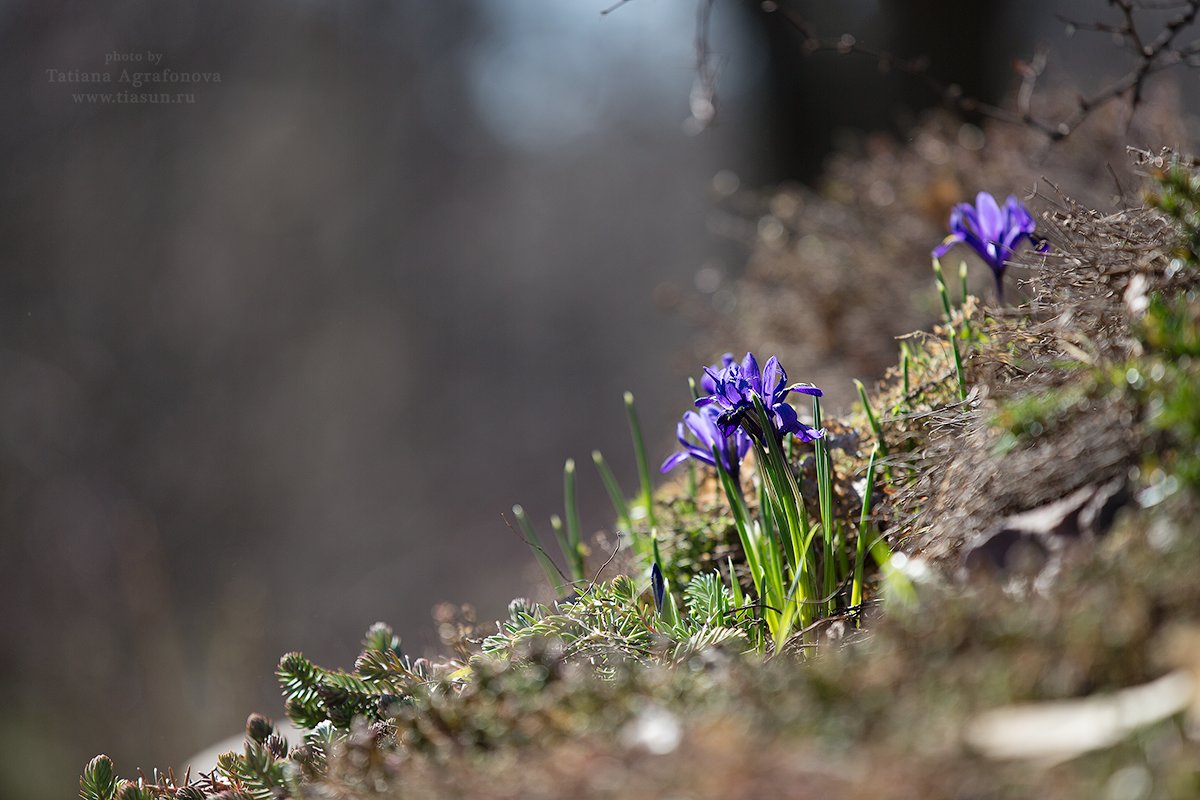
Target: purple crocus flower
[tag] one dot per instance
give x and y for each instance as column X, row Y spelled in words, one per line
column 702, row 424
column 991, row 231
column 735, row 386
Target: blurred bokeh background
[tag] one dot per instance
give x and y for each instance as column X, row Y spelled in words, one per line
column 273, row 362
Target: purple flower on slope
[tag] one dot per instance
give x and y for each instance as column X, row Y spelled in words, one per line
column 706, row 435
column 991, row 231
column 707, row 382
column 735, row 386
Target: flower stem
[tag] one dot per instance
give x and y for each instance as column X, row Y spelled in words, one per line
column 958, row 365
column 872, row 418
column 741, row 521
column 962, row 279
column 876, row 426
column 788, row 505
column 824, row 467
column 856, row 591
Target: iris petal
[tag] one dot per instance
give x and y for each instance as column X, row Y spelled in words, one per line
column 1017, row 215
column 947, row 243
column 786, row 418
column 806, row 388
column 700, row 454
column 969, row 224
column 807, row 433
column 702, row 426
column 991, row 231
column 720, row 422
column 708, row 381
column 773, row 377
column 673, row 461
column 752, row 374
column 991, row 220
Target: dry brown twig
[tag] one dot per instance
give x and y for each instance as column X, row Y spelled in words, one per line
column 1151, row 54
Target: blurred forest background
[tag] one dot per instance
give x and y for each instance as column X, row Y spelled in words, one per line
column 273, row 363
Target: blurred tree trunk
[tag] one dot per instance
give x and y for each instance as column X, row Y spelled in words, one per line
column 807, row 98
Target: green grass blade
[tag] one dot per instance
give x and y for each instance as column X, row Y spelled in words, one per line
column 547, row 563
column 564, row 544
column 639, row 449
column 958, row 365
column 613, row 489
column 856, row 591
column 571, row 506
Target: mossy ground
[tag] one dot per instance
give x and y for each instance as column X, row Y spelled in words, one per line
column 1096, row 378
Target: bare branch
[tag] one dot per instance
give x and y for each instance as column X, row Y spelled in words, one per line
column 1151, row 56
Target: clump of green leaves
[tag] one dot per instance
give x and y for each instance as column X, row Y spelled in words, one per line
column 1178, row 196
column 1168, row 379
column 1026, row 417
column 383, row 676
column 613, row 623
column 99, row 780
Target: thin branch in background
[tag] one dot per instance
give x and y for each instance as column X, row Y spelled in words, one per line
column 1117, row 181
column 1030, row 72
column 1151, row 56
column 611, row 556
column 614, row 7
column 702, row 102
column 917, row 68
column 535, row 546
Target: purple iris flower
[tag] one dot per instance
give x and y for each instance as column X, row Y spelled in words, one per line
column 991, row 231
column 702, row 424
column 706, row 380
column 735, row 386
